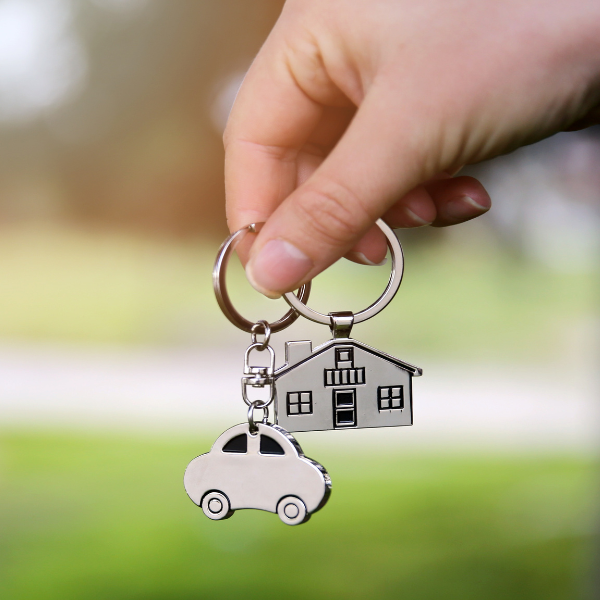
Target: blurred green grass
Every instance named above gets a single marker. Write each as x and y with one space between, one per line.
98 516
457 301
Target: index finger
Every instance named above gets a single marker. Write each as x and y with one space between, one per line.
269 123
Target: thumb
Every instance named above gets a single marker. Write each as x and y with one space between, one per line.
378 160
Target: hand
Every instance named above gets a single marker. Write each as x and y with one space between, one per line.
357 109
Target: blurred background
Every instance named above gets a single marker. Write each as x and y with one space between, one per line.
117 367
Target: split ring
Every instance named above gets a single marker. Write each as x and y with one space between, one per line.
377 306
266 331
251 422
220 286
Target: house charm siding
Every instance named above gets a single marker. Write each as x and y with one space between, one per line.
361 375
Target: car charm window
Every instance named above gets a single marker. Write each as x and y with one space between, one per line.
269 446
237 444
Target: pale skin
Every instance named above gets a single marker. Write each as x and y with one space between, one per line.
360 109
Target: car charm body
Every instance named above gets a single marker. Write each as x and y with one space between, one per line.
266 470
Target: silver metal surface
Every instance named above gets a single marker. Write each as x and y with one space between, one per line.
258 377
216 506
266 331
340 324
343 384
397 260
220 285
291 510
272 475
251 423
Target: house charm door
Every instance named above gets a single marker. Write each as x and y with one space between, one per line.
345 384
344 408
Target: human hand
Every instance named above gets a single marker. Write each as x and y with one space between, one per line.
357 109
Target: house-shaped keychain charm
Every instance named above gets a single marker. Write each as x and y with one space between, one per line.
342 384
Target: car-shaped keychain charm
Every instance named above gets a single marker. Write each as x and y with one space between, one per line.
266 470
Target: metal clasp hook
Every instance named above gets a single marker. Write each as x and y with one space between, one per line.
258 377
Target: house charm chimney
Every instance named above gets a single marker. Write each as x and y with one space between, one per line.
296 352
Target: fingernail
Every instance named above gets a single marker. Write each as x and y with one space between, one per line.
360 258
277 267
463 207
418 221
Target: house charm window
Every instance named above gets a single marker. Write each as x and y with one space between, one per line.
390 398
344 358
299 403
344 372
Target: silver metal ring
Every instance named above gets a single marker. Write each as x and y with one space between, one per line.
266 331
220 286
251 422
377 306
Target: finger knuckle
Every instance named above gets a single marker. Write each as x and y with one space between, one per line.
333 212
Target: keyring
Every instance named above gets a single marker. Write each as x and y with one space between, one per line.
220 286
251 422
388 294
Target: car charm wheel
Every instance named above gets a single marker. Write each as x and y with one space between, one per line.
216 506
292 511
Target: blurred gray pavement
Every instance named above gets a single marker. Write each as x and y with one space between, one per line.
511 407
